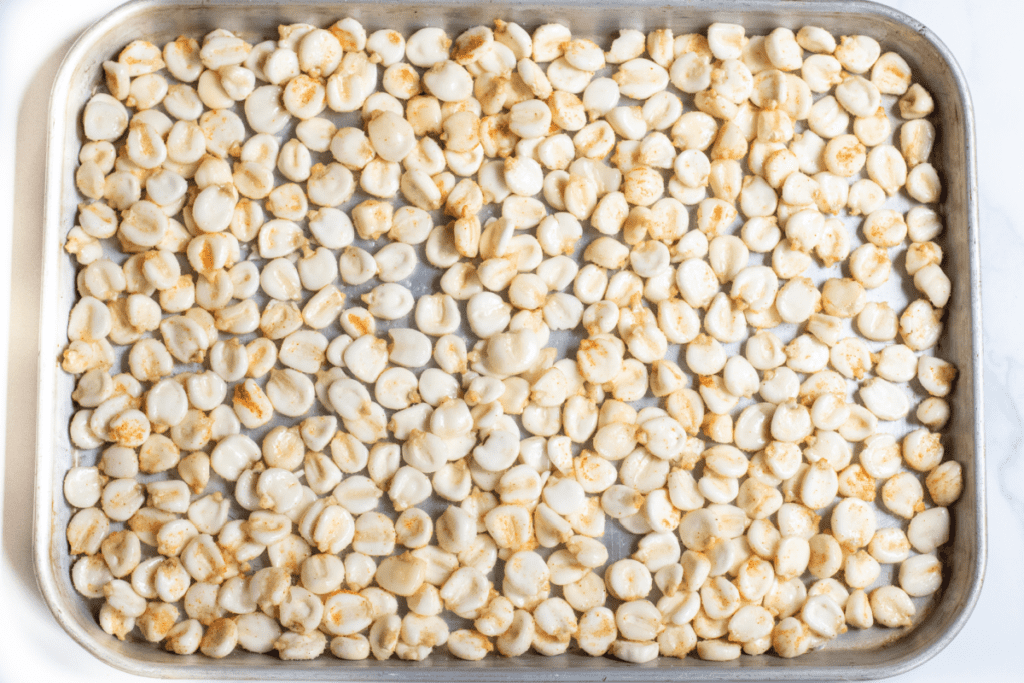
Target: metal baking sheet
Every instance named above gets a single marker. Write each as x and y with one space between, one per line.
874 653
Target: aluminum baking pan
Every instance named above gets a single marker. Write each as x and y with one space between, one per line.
874 653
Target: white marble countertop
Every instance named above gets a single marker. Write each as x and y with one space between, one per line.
982 34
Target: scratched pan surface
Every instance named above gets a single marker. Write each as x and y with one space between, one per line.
873 653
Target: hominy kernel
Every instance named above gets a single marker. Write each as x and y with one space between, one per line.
498 120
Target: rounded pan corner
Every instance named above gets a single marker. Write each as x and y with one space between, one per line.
931 37
46 583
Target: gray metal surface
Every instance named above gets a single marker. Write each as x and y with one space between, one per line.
867 654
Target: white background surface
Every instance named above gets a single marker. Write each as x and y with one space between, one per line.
984 35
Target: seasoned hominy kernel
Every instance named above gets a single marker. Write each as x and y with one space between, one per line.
500 116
